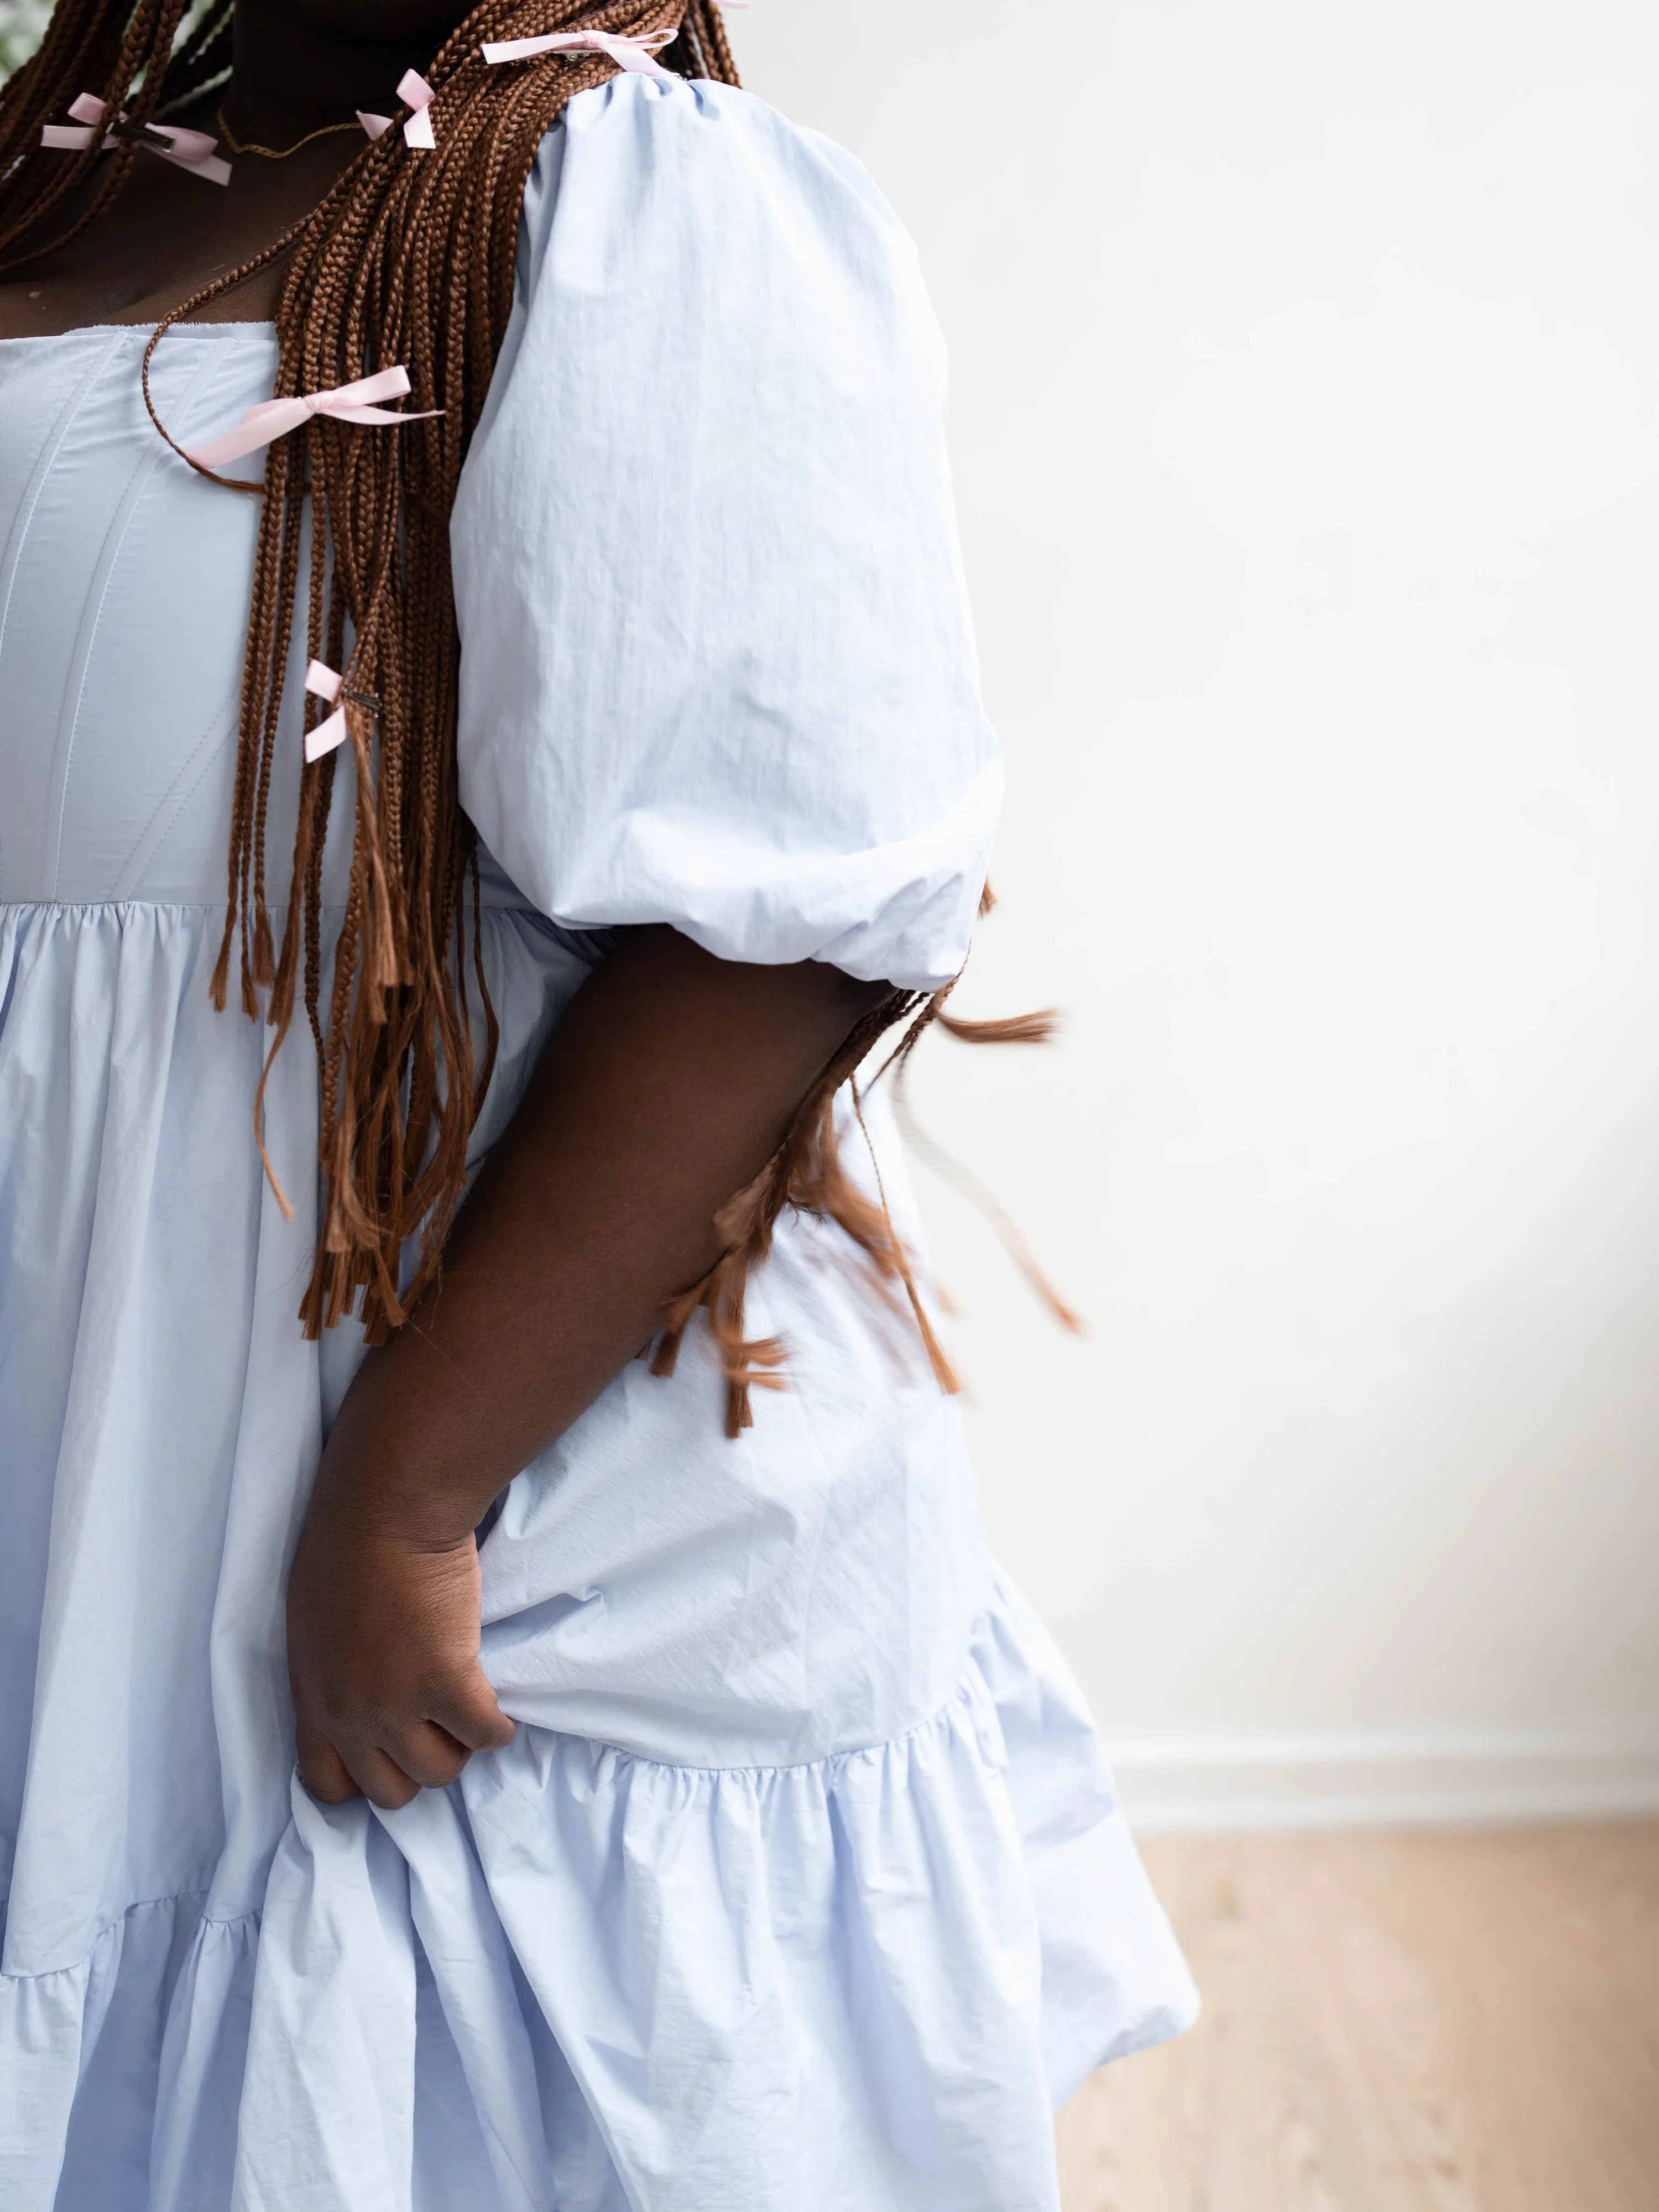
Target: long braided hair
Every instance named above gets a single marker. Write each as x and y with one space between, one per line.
409 259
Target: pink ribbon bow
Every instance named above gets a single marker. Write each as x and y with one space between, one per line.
273 418
324 683
187 149
415 92
637 54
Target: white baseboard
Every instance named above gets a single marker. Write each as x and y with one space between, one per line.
1197 1785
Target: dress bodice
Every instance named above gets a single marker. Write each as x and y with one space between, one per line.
123 604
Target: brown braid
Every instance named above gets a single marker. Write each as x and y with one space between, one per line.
409 259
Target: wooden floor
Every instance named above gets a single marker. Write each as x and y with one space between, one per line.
1446 2023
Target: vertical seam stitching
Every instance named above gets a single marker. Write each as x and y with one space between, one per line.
115 538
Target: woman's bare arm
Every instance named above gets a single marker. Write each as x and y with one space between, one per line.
665 1090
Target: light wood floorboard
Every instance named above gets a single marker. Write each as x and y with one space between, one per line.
1405 2023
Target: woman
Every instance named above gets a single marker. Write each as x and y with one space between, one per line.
686 1813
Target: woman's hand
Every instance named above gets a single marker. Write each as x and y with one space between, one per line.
667 1086
383 1659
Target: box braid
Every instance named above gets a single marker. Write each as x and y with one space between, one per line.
128 50
409 258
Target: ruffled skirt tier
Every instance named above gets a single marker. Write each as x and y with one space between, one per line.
801 1888
582 1979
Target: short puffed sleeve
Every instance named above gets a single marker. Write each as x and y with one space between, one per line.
716 663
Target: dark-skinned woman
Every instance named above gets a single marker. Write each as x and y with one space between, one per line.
503 1699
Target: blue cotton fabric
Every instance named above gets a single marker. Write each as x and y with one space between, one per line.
802 1885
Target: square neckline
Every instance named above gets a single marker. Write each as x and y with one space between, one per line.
266 329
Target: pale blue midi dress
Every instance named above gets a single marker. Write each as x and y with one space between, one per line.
802 1887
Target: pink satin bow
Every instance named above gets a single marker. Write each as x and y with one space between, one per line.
637 54
273 418
415 92
187 149
324 682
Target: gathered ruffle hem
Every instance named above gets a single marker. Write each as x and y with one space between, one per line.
578 1978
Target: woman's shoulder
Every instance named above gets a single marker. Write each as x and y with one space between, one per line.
681 238
712 168
717 668
732 136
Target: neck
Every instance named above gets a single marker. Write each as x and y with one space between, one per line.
293 72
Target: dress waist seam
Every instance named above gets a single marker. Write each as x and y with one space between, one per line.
14 906
970 1689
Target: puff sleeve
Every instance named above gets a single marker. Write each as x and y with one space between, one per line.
717 668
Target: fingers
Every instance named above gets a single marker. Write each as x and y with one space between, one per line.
420 1754
334 1777
466 1709
380 1778
321 1767
428 1754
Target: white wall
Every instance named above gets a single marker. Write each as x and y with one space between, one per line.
1304 359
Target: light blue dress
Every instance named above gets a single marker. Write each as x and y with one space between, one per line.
802 1889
